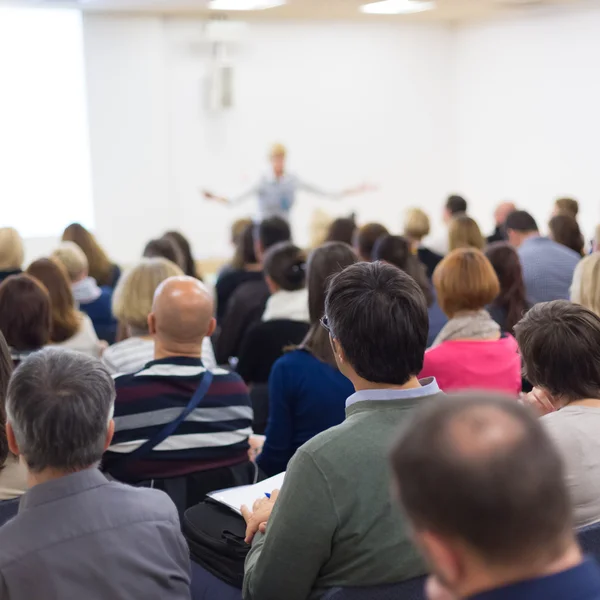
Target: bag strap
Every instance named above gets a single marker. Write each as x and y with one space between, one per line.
170 428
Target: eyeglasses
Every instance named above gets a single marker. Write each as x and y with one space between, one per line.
325 325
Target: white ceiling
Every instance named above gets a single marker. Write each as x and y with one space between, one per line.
447 10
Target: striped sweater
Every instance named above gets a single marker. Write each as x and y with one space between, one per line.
214 435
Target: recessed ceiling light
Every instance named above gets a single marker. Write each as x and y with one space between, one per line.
396 7
244 4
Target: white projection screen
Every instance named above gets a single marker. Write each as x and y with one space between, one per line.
45 177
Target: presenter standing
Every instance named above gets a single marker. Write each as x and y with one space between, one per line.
276 191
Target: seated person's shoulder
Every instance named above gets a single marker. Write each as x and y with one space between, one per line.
147 503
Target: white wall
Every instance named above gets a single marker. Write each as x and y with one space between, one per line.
528 113
352 102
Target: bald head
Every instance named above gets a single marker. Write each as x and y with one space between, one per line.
502 211
481 469
182 315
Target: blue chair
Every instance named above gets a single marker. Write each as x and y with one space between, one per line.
8 510
413 589
589 538
205 586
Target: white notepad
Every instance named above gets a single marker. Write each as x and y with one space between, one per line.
236 497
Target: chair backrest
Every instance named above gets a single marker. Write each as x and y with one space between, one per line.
412 589
259 396
8 510
589 538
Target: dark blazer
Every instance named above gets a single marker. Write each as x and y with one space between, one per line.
430 259
228 283
499 235
5 274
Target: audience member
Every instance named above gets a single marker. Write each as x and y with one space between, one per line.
70 328
342 230
13 474
482 486
99 267
307 392
25 315
12 254
132 303
471 351
565 230
365 238
185 250
585 289
502 211
463 232
91 299
247 304
285 320
396 250
566 206
210 438
333 524
455 205
510 304
164 248
560 347
77 535
416 228
547 266
244 267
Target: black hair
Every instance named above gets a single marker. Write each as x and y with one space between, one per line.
378 314
342 230
164 248
272 231
365 238
285 264
456 205
520 220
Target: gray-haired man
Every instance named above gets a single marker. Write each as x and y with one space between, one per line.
77 535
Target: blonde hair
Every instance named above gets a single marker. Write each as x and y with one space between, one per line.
73 258
585 289
278 150
416 224
133 296
465 233
12 254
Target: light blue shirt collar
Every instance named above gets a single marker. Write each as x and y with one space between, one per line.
429 387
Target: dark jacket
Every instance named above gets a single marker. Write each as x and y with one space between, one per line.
499 235
100 312
430 259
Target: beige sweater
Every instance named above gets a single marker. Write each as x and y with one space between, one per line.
13 479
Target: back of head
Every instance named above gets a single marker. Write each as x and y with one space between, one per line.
378 315
244 249
465 281
456 205
567 206
185 251
365 238
285 265
396 250
182 315
25 313
521 221
585 289
53 275
512 297
416 224
465 233
272 231
134 294
11 249
323 263
164 248
480 471
565 230
560 346
99 265
342 230
59 406
73 259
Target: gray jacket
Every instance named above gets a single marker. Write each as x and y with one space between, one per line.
82 537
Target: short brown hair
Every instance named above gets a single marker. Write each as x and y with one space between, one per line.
567 206
25 313
465 280
504 495
365 238
465 233
560 347
53 276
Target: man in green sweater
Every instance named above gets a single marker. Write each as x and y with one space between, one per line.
333 523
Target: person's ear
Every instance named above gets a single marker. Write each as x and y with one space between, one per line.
151 324
110 432
338 351
443 557
12 440
211 328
